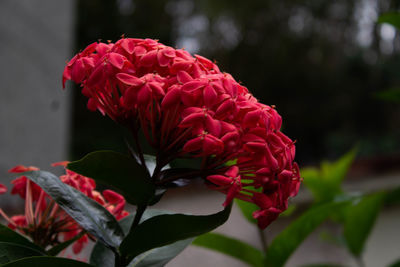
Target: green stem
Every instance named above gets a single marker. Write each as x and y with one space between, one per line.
139 213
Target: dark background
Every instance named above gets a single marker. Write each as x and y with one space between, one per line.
320 62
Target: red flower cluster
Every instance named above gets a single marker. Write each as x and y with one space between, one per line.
187 107
44 221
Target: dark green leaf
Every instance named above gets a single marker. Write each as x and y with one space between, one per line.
247 209
395 264
46 262
60 247
158 257
292 236
167 229
9 236
232 247
390 18
92 216
392 95
118 171
360 219
393 197
11 252
104 257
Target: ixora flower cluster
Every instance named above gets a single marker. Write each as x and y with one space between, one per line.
44 221
187 107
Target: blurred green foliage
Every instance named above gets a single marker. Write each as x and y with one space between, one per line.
354 212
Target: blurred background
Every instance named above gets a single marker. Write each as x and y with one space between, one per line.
324 64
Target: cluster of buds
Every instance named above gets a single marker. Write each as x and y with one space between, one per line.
186 107
44 222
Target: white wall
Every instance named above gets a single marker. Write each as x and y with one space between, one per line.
35 41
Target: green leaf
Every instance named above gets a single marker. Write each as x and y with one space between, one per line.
118 171
325 184
360 219
11 252
392 95
292 236
390 18
46 262
247 209
104 257
9 236
168 229
158 257
60 247
231 247
289 211
395 264
89 214
393 197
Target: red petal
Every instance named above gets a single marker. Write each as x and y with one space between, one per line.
129 79
210 96
128 45
139 51
113 197
163 60
78 71
168 52
92 104
172 98
225 108
116 60
193 145
66 76
90 48
232 172
103 48
183 77
3 189
144 95
157 89
193 85
232 193
212 145
192 119
263 201
22 168
251 118
180 65
96 77
271 159
60 163
213 126
149 59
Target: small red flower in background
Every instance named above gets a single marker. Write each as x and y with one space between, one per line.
3 189
187 107
44 221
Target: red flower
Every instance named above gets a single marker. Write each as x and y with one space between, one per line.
3 189
44 221
186 107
